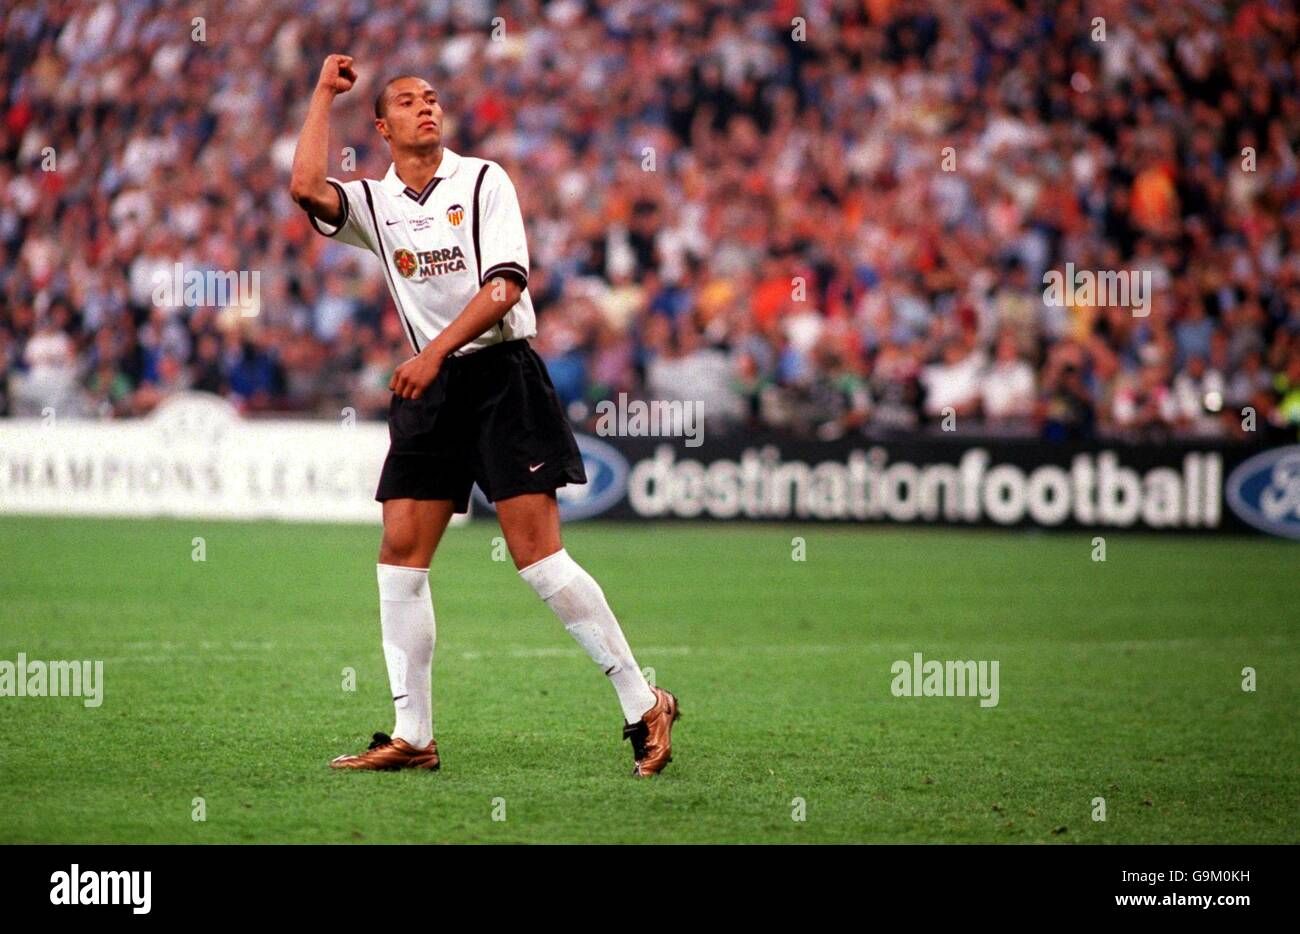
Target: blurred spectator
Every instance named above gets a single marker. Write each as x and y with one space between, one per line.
50 362
1198 397
952 384
1008 389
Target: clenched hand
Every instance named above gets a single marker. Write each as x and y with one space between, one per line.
337 75
413 377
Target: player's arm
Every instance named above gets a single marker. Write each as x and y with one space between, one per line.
488 306
308 185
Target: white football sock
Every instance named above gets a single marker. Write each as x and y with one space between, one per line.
406 618
578 601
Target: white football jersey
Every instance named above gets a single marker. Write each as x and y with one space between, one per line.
439 246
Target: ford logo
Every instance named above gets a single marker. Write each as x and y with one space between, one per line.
1265 491
606 482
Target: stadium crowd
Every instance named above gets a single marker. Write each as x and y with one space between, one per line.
824 216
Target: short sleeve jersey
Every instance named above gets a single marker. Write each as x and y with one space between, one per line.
439 246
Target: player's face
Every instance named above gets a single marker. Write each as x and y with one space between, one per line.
412 115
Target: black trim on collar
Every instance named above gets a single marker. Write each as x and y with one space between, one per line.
343 200
392 286
422 196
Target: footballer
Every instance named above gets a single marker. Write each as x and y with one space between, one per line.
474 404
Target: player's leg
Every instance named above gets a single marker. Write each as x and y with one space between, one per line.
531 525
412 530
525 452
426 478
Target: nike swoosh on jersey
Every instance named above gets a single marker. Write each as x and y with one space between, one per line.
536 468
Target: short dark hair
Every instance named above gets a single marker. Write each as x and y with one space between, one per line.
381 98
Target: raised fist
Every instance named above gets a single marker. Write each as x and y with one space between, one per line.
336 74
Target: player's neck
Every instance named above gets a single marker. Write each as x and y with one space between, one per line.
416 167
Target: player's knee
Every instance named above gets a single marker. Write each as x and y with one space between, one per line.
401 546
530 546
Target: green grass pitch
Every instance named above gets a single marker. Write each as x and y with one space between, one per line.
223 680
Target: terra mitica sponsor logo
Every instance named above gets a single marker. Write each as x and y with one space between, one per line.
1264 491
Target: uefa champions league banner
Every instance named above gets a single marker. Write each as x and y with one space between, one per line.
1020 483
195 457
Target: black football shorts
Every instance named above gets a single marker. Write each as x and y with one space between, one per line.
490 417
